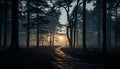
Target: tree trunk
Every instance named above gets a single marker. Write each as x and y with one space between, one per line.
50 38
14 37
68 36
71 36
28 25
104 28
5 24
84 25
99 39
116 26
109 26
75 21
69 33
1 20
0 33
53 37
37 27
77 36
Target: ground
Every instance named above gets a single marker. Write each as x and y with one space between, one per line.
54 58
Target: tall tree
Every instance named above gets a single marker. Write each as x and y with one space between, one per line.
37 25
38 8
110 5
1 22
5 23
104 27
28 24
75 20
97 13
14 37
84 25
116 23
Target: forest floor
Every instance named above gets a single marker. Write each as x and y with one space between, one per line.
26 58
55 58
111 60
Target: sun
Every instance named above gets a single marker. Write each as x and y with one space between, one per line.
61 38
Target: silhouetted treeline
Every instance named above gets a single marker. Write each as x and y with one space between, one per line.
97 27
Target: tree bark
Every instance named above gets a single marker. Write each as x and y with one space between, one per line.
116 26
14 37
28 25
69 33
84 25
109 26
5 24
1 21
104 28
37 27
99 37
75 22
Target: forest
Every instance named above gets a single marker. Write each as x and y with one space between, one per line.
60 34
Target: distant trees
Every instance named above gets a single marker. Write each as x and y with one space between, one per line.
40 18
39 13
106 10
5 17
97 18
117 4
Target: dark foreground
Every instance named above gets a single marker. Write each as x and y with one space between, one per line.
33 58
54 58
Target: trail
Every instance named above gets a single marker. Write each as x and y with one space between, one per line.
64 61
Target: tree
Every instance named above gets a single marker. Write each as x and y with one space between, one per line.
28 24
116 23
1 21
71 19
5 23
37 25
74 20
97 15
14 37
109 20
84 25
38 9
104 27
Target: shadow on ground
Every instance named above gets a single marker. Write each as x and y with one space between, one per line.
32 58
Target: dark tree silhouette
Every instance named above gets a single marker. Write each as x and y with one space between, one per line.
110 4
5 24
75 12
116 23
84 25
1 32
37 25
14 37
104 28
1 20
97 12
69 29
71 19
28 24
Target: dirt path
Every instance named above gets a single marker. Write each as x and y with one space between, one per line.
64 61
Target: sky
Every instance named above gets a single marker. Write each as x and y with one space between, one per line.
63 17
